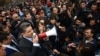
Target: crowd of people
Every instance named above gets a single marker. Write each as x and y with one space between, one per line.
77 24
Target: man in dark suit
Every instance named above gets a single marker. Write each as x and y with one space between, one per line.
5 28
29 42
5 40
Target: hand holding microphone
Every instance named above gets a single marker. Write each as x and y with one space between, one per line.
35 38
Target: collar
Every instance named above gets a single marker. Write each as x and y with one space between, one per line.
9 46
30 39
87 41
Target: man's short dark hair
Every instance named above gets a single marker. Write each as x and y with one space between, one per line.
89 28
88 50
3 36
3 26
82 2
23 26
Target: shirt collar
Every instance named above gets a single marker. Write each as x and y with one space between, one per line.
28 38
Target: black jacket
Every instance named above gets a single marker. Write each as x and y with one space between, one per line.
28 49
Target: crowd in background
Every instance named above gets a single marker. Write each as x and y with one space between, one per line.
77 24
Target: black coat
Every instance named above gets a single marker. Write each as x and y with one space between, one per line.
28 49
9 51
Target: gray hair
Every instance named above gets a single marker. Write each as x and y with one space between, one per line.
23 26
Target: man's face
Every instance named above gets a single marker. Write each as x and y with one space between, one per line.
64 7
53 21
6 29
55 10
78 22
94 7
15 16
28 32
28 16
87 33
92 22
3 13
83 5
9 39
34 10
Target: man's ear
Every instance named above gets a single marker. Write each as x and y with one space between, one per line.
21 34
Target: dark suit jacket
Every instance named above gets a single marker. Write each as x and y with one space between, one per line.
9 51
28 49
